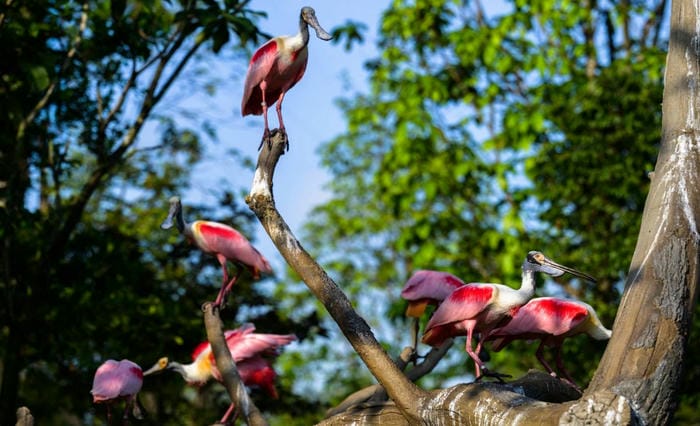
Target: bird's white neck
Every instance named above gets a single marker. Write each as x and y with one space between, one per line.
527 286
193 373
303 31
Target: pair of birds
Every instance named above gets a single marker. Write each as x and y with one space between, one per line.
500 313
117 380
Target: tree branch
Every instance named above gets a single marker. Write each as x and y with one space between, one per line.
404 392
227 368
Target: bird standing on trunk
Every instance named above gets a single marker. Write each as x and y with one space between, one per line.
551 320
480 307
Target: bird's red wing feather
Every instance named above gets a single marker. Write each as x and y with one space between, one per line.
260 65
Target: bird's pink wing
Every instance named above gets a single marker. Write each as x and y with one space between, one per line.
131 377
260 65
465 303
426 284
544 316
104 385
259 344
220 238
116 378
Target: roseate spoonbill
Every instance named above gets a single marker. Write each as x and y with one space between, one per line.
550 320
426 287
221 241
247 350
115 380
276 67
481 307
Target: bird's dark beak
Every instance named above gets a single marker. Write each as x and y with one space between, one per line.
310 18
170 220
545 261
159 366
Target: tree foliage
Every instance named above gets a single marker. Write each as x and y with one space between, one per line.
487 133
88 159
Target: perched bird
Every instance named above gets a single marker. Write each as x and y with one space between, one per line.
550 320
276 67
425 288
222 241
248 350
116 380
480 307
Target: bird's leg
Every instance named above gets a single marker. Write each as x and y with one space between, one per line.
477 362
560 365
266 132
540 357
224 420
279 117
224 283
485 372
225 289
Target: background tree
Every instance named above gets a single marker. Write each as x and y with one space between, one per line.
88 159
488 133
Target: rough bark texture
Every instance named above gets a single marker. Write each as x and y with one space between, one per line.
644 357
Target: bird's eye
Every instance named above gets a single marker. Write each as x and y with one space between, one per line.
539 257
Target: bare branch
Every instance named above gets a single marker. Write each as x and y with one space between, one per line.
405 393
227 368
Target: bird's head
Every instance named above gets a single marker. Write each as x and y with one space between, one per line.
173 214
538 262
308 15
158 367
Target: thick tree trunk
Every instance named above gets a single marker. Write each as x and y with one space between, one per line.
644 358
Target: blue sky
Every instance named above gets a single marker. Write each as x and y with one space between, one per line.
309 110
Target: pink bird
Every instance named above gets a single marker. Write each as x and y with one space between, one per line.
222 241
425 288
480 307
115 380
276 67
551 320
248 350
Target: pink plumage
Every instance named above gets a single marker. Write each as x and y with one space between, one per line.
276 67
116 379
550 320
221 241
482 307
248 350
428 287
